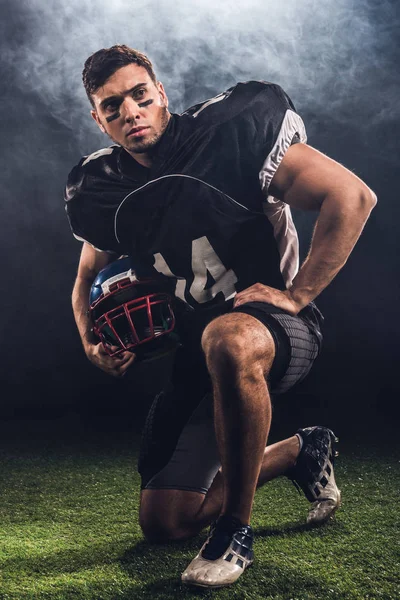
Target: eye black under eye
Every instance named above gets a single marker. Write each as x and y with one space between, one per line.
112 106
145 103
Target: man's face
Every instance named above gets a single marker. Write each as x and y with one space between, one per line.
132 110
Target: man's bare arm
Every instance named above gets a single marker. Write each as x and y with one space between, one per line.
309 180
90 263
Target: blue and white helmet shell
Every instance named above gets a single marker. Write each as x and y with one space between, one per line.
129 314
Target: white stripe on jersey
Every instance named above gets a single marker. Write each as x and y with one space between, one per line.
169 177
285 234
98 153
209 102
292 124
279 213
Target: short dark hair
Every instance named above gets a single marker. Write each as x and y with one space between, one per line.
103 63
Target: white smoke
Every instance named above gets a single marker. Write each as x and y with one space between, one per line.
330 56
335 58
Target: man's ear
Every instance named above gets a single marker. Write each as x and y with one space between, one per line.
162 93
95 116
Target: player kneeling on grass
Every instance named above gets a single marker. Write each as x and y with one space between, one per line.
198 203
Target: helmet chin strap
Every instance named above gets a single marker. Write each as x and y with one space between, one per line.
105 286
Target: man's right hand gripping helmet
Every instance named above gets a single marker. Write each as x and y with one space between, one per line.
131 314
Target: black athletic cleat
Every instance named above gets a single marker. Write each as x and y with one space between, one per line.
313 473
223 557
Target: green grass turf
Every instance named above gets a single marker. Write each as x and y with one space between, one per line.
69 527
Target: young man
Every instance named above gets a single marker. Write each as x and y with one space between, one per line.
204 199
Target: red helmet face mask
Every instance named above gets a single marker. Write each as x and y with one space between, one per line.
129 314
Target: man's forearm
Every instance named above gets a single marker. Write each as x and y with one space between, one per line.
80 307
338 228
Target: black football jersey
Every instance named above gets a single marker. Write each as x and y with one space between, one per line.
202 214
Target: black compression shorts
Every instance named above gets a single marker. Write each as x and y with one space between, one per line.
178 448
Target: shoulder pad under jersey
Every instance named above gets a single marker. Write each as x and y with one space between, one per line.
260 97
100 165
93 192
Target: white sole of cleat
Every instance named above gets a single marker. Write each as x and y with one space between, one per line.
211 586
217 573
323 511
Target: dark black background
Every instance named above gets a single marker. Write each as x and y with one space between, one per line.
339 64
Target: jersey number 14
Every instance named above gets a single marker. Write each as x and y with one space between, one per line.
205 261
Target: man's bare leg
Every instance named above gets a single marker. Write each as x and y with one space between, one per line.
277 459
177 514
239 352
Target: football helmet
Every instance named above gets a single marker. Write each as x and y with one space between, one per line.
131 314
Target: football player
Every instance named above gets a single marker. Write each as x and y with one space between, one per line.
202 200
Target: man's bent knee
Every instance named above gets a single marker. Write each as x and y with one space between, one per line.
169 515
157 532
237 341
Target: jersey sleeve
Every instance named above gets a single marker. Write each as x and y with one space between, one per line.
257 122
91 195
279 126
